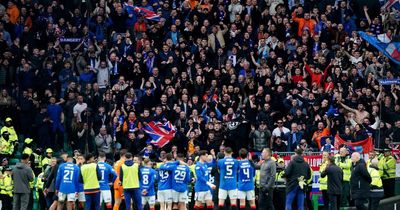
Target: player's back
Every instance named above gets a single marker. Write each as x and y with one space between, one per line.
181 178
147 181
228 168
67 179
107 175
165 176
246 175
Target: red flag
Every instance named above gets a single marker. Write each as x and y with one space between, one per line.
364 146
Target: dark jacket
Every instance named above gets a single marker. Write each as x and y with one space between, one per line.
335 179
360 180
289 138
22 175
297 167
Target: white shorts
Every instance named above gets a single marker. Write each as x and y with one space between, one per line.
223 194
105 195
164 196
81 197
68 197
179 197
203 196
151 200
250 195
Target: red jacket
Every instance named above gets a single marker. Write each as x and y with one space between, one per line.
316 78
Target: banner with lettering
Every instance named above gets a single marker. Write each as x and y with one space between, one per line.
313 160
364 146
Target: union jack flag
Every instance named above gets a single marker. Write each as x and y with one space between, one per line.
148 14
395 4
160 133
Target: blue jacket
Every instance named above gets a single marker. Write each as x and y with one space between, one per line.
291 146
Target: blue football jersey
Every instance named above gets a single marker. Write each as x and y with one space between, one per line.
148 177
228 168
108 175
210 166
246 175
181 178
164 175
202 177
67 180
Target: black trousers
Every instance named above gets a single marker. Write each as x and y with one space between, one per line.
389 187
325 197
373 203
6 202
279 197
360 203
334 201
265 200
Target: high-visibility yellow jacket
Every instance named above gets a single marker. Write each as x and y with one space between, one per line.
6 185
11 130
39 182
279 180
376 178
345 164
323 182
389 167
6 146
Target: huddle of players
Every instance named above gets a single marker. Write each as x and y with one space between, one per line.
173 178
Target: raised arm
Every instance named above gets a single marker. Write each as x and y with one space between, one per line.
347 107
367 15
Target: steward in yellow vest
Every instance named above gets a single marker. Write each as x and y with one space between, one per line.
47 159
39 188
6 146
11 130
388 164
323 182
376 192
36 160
90 176
279 192
344 162
129 176
6 189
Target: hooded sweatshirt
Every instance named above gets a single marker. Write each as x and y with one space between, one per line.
296 168
22 175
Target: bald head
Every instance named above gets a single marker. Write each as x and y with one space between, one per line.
355 157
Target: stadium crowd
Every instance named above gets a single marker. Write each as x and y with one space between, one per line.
238 81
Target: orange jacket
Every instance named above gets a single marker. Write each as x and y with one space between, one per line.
117 169
13 12
319 134
303 24
131 122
